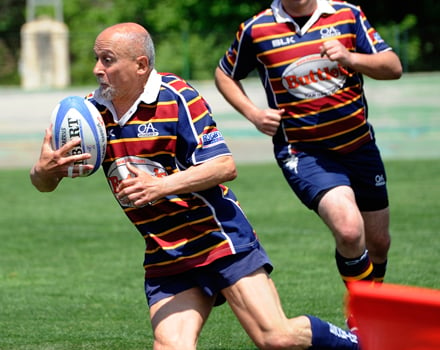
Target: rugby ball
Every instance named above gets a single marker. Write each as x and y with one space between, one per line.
76 117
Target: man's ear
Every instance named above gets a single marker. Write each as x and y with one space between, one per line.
143 64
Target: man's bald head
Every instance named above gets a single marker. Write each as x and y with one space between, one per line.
133 38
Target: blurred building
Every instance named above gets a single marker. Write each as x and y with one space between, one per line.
44 46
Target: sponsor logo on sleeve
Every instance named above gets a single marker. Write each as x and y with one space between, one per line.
212 139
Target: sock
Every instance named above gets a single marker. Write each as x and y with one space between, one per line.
379 271
326 336
356 269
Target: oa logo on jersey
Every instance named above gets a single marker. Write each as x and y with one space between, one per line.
147 130
329 32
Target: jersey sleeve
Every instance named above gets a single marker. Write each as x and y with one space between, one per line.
240 59
368 40
198 138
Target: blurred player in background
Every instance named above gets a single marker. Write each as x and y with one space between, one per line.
311 55
165 163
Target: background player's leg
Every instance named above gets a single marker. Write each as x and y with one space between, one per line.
340 213
378 240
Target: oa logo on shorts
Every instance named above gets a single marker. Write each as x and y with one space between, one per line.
380 180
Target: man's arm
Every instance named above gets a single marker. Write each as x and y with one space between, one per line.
382 66
144 188
266 120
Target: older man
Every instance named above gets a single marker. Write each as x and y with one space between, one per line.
165 163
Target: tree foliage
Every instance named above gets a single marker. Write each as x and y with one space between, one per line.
192 35
11 18
415 28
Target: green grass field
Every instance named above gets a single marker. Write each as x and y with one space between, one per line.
71 272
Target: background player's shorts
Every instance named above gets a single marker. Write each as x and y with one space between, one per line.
212 278
311 174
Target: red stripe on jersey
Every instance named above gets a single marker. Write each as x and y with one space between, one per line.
327 130
305 108
149 147
179 265
180 235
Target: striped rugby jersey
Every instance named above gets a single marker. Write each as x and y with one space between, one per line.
324 102
169 129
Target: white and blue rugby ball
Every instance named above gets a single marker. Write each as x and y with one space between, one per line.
76 117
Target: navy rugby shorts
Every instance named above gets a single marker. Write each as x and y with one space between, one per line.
310 174
212 278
